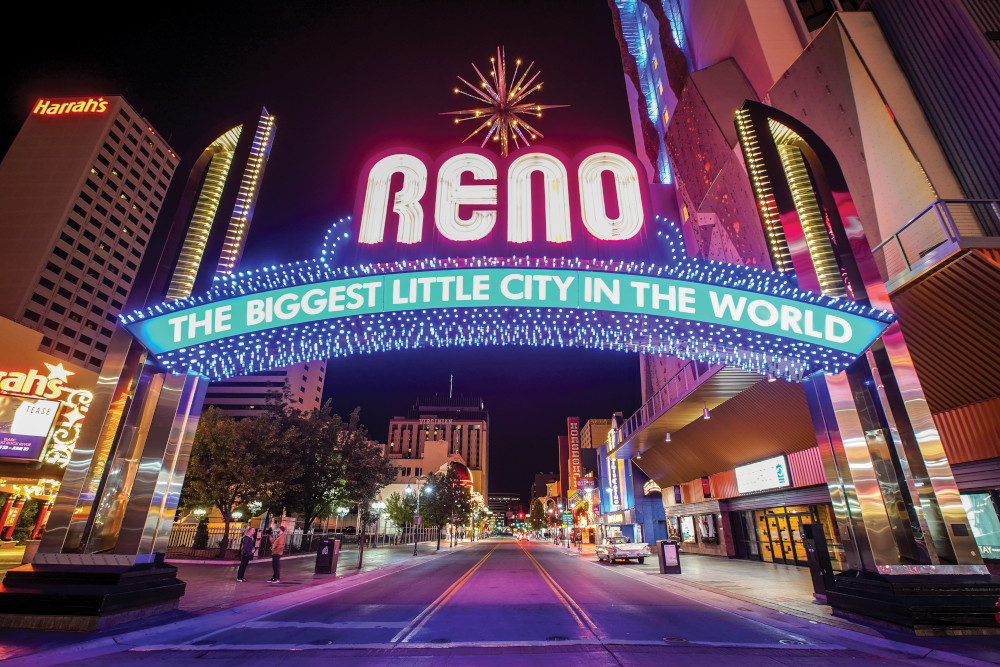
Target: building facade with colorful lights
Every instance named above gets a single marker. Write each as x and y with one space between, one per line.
853 151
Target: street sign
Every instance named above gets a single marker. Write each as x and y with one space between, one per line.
417 520
567 518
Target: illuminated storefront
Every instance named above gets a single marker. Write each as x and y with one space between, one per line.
43 405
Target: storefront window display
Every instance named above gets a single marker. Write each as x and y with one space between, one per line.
706 529
687 529
774 535
673 528
983 520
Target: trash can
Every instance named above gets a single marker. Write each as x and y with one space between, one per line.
818 556
327 551
669 555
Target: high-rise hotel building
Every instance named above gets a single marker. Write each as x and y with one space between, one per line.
215 212
463 422
80 190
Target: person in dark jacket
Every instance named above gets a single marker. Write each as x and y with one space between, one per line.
247 548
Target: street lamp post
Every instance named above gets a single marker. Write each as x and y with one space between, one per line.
425 489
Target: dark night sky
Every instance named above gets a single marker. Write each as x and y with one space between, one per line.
345 80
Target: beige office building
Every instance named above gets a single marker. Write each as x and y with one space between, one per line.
80 190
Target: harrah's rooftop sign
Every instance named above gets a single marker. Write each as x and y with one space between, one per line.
473 202
63 107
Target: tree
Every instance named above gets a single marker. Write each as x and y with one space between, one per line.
366 470
449 497
401 508
536 520
231 463
314 479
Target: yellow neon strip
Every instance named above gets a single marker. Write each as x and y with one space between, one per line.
762 192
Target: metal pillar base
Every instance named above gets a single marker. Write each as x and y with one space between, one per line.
86 595
926 604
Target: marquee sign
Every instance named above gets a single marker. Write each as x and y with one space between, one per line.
412 208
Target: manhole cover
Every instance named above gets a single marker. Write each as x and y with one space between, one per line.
674 639
790 641
439 640
556 638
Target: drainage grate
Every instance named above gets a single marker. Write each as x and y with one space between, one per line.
439 640
674 639
790 641
557 638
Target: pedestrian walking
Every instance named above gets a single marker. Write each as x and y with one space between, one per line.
247 548
277 549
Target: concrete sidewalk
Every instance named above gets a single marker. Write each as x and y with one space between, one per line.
213 588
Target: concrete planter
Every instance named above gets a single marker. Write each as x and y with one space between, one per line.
30 549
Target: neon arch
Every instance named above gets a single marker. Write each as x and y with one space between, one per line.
277 316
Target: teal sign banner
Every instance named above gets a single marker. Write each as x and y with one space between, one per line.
793 320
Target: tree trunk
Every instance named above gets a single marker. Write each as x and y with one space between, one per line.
224 544
439 538
361 542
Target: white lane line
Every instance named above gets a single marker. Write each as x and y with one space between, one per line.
337 625
480 644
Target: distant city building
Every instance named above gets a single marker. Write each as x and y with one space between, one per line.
462 422
594 433
80 190
248 395
506 507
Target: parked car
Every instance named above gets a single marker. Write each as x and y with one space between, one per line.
350 530
621 548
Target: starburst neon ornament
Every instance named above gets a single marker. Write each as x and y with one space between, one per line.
505 106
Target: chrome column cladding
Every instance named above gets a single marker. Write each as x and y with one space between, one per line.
70 514
123 482
894 496
170 417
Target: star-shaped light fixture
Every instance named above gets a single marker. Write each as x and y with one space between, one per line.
57 372
504 105
72 417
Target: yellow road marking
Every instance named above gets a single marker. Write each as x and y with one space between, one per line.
574 609
423 617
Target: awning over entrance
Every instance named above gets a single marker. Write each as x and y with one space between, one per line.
750 419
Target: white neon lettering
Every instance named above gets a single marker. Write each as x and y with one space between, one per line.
318 307
222 316
283 313
505 289
832 324
452 194
194 324
753 312
790 316
177 323
255 312
720 306
593 207
555 192
406 203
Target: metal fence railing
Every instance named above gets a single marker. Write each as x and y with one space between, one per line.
185 540
945 222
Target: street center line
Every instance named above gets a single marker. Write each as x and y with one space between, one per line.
574 609
423 617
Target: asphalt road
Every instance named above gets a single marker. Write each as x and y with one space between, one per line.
500 602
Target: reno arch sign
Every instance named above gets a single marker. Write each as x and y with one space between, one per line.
533 250
406 198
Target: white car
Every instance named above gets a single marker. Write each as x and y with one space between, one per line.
620 548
